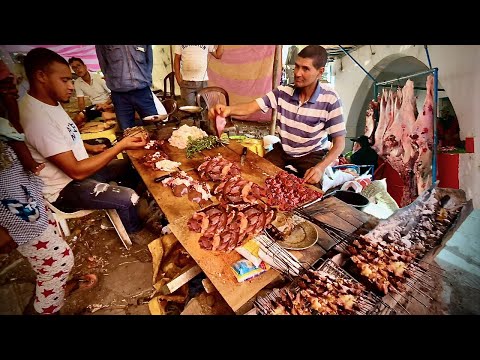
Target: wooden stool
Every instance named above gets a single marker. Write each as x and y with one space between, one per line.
61 218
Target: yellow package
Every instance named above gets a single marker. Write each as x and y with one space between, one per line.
249 251
244 269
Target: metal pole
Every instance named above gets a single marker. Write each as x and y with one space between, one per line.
435 140
356 62
406 77
428 56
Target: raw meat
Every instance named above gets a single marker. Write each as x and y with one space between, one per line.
422 140
220 123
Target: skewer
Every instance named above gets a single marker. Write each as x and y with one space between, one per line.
398 302
418 290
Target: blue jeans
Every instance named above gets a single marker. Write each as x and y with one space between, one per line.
96 193
281 159
126 103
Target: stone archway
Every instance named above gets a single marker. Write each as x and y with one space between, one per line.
390 67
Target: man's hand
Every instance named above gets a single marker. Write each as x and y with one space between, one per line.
314 174
95 149
132 143
219 109
80 119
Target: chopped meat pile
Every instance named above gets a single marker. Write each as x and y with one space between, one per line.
150 160
238 191
223 228
182 184
287 191
217 169
155 145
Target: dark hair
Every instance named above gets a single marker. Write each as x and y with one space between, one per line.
40 59
315 52
73 58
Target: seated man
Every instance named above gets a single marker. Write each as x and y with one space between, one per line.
93 86
72 180
307 114
363 153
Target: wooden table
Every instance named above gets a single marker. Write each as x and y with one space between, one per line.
178 210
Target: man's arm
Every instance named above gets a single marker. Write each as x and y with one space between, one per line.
149 55
79 170
81 102
315 174
101 59
239 109
218 52
176 68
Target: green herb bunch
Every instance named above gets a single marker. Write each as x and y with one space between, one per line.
207 142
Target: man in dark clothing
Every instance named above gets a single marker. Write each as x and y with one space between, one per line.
365 155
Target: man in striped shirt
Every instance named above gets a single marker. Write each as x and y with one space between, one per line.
306 114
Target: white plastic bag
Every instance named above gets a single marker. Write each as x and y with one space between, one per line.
332 179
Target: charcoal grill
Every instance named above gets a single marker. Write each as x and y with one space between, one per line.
369 303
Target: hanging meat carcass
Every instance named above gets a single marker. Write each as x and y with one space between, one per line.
392 140
396 141
422 140
369 124
382 124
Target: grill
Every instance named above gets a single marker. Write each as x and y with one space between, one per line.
367 302
283 261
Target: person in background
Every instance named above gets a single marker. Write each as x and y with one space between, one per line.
363 154
93 86
72 180
306 114
128 74
190 66
448 129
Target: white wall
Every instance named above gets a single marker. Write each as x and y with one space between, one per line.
458 73
162 66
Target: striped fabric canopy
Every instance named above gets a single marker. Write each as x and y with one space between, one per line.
245 71
85 52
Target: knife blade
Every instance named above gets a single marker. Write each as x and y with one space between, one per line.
160 178
244 155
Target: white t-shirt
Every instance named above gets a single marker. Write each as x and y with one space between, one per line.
50 131
194 61
97 90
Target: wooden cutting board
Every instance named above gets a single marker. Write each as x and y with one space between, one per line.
217 265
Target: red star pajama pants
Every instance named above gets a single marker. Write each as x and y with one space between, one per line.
52 259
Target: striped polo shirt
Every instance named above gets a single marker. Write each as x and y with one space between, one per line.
304 128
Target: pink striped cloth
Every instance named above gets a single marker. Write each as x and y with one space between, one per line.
85 52
246 72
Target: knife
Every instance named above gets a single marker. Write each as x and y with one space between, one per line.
244 155
160 178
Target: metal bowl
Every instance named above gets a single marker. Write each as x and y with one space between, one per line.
352 198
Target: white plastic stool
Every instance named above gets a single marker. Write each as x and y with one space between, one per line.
61 218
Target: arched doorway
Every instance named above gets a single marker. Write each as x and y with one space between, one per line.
392 67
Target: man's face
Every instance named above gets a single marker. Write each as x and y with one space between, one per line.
79 68
305 73
58 81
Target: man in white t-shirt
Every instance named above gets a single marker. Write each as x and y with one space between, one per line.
94 86
192 74
72 180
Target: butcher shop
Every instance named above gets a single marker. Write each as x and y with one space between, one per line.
239 180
